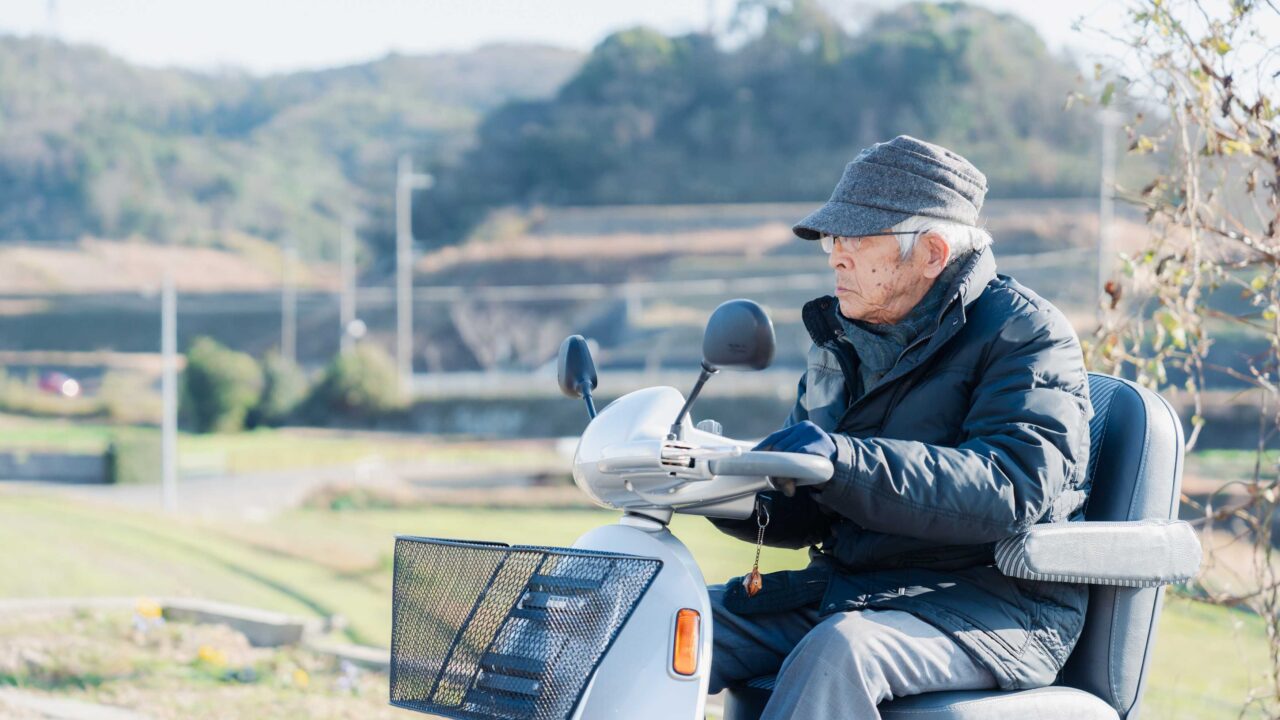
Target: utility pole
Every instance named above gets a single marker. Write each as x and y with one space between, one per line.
1110 121
169 392
406 182
289 303
347 298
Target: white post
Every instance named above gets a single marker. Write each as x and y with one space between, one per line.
347 298
169 392
1110 120
633 303
289 304
406 182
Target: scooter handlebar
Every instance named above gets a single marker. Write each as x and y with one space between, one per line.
805 469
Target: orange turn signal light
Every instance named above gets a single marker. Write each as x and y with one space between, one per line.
685 658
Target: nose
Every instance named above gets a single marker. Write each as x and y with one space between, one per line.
838 259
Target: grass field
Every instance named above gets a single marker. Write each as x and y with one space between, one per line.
325 562
266 449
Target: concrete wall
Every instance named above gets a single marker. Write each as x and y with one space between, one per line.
53 467
742 417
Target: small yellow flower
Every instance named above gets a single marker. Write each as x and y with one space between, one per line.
301 678
148 609
211 656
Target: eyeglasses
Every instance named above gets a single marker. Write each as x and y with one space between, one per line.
854 242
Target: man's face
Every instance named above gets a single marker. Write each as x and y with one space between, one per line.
874 284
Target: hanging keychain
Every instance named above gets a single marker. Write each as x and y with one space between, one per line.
753 582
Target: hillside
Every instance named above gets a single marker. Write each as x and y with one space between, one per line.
656 119
92 145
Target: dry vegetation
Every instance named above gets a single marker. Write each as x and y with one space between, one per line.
170 670
106 266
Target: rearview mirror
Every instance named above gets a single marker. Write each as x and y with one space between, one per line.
739 336
575 370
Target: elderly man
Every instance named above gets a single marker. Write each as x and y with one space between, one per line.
954 405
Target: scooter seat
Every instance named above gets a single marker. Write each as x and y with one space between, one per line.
1049 703
1135 467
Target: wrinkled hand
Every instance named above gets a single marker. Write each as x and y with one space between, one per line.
803 437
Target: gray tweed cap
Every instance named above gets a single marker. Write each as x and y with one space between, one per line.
891 181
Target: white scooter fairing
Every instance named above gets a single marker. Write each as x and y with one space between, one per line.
625 460
487 630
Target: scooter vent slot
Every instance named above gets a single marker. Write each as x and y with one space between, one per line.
514 633
513 665
534 614
485 705
508 684
547 601
564 585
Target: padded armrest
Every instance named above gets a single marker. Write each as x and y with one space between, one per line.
1143 553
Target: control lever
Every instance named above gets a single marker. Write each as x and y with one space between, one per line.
710 426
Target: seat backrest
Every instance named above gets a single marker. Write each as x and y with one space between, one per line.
1135 468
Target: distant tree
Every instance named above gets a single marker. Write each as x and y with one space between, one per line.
657 119
219 387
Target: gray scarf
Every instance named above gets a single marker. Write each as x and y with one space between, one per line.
879 346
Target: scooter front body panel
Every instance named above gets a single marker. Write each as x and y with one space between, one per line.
635 680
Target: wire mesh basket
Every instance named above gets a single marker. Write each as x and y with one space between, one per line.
485 630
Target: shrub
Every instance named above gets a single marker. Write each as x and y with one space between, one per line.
130 398
284 388
133 457
357 384
219 387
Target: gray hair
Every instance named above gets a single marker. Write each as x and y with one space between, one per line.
962 239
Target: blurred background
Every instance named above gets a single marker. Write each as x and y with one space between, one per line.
279 281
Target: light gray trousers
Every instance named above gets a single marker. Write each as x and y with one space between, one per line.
839 667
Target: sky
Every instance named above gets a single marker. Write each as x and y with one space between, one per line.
270 36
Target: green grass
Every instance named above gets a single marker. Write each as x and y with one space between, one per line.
23 433
1206 661
265 449
315 561
1232 464
69 550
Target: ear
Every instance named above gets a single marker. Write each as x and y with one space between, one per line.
936 254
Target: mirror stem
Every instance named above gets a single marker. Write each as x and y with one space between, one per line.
707 372
591 405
